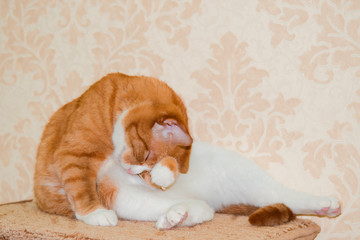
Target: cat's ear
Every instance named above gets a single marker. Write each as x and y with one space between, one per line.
171 132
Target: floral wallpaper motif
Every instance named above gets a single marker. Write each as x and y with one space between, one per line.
335 43
277 81
232 110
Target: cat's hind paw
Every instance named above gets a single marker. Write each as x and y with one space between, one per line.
330 207
175 216
99 217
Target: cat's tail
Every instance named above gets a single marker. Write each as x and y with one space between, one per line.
270 215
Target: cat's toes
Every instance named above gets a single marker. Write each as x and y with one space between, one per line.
175 216
330 207
100 217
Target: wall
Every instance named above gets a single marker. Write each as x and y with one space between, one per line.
278 81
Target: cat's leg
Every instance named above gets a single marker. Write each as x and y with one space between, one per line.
306 204
255 187
300 203
50 197
104 217
78 178
186 213
277 204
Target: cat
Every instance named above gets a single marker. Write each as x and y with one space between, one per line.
78 138
123 149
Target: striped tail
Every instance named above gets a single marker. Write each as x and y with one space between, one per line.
270 215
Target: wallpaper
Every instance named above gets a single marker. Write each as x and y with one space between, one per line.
275 80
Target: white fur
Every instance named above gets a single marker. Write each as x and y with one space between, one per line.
162 175
216 178
101 217
135 169
61 191
52 186
118 136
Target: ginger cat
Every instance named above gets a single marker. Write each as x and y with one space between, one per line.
78 138
122 149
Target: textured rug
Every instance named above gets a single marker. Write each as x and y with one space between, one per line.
23 220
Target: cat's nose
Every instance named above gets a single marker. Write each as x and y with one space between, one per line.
129 171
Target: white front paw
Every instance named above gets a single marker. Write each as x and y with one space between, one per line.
186 214
100 217
175 216
162 176
198 213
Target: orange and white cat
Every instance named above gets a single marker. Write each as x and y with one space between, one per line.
78 138
123 149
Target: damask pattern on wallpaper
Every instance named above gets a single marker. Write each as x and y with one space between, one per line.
278 81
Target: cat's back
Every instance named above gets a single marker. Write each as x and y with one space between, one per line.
54 130
136 89
100 105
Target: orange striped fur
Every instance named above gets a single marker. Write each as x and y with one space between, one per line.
270 215
77 140
107 192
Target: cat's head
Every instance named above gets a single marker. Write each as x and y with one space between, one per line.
154 132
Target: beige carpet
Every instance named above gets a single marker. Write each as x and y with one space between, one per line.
24 221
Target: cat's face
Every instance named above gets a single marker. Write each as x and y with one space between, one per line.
153 133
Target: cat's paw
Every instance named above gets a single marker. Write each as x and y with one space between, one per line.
99 217
199 212
328 206
162 176
175 216
186 214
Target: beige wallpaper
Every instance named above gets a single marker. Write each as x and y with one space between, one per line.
278 81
